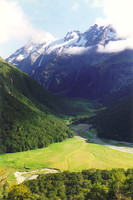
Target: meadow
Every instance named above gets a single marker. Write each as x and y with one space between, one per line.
72 154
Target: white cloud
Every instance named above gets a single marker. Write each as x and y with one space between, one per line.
76 50
119 13
14 24
76 6
39 36
102 21
116 46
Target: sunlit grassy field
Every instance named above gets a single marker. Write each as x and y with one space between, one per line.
72 154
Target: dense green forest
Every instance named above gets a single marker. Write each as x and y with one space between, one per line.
115 119
93 184
27 113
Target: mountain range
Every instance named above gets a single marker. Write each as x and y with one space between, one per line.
75 66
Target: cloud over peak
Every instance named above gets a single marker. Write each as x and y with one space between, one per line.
119 14
15 24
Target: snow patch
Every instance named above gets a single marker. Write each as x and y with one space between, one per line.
62 44
30 48
82 42
41 60
20 57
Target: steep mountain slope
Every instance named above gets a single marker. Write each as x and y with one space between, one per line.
26 119
73 66
115 121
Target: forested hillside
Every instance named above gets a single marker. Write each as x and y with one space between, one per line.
115 122
26 119
115 119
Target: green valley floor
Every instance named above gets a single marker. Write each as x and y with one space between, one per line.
72 154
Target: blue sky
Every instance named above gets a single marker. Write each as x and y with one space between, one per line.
54 16
22 19
60 16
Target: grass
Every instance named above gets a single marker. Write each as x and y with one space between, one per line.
72 154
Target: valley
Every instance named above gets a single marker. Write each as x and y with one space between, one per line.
74 154
66 109
57 134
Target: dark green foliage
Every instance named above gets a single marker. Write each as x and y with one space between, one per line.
116 121
116 184
26 115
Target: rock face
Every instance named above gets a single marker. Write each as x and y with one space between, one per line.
74 67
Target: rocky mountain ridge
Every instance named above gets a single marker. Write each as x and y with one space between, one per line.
74 67
93 36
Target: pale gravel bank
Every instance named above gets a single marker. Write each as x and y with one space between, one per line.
23 176
125 146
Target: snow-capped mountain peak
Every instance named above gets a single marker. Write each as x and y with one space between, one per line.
73 42
99 35
31 49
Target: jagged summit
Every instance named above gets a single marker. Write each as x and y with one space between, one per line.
99 35
74 66
71 35
30 53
